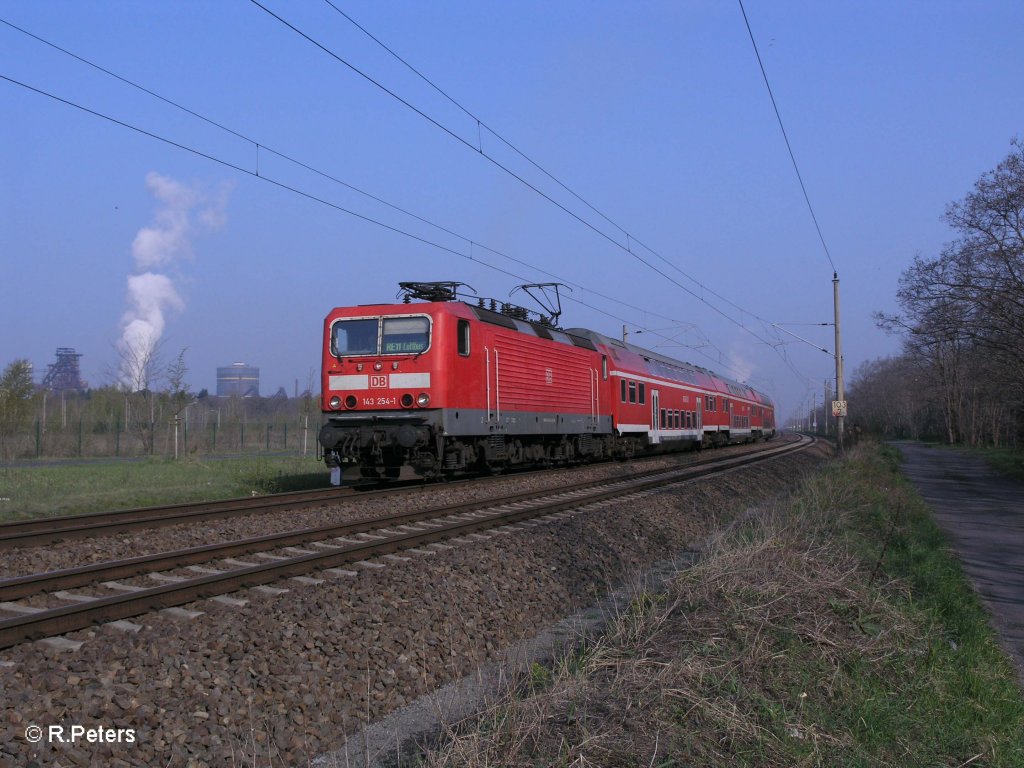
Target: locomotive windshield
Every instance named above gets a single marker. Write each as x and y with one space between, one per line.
354 337
380 336
405 334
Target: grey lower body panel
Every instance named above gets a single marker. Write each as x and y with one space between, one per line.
465 423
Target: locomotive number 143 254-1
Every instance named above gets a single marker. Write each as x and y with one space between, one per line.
378 401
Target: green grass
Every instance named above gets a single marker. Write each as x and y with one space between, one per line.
103 485
1005 460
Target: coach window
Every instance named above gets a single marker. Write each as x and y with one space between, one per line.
463 340
641 393
663 418
604 367
689 419
632 391
622 389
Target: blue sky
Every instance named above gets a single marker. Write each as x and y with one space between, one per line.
654 113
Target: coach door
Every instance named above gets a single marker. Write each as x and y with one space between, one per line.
655 424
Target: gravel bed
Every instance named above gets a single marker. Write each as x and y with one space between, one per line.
78 552
279 680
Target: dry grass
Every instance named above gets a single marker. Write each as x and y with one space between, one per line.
780 647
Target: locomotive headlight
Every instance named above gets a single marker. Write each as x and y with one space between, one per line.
422 399
335 402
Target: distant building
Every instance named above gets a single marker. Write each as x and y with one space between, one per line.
239 380
64 375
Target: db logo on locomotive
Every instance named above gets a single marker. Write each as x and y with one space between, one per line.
379 382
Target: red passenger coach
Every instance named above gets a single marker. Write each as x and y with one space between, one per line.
442 386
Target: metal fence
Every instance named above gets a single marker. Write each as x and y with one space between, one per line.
171 438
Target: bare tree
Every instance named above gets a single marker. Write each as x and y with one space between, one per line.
963 311
141 368
178 393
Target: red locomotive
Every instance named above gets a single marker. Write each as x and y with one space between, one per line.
444 386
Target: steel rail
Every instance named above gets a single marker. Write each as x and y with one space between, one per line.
56 621
19 533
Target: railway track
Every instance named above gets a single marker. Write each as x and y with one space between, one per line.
48 530
20 533
42 531
335 546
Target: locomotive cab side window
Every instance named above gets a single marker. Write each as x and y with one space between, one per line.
640 394
463 337
632 391
622 389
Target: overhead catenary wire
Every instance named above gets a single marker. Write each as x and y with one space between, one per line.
260 146
720 361
431 120
785 136
316 198
480 123
698 296
630 237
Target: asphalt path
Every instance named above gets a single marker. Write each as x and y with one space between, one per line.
982 513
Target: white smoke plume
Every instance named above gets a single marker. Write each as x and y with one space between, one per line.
187 211
742 368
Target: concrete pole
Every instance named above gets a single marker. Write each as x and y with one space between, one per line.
840 392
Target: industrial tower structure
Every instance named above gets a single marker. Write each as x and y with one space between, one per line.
64 375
